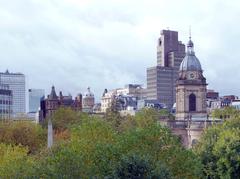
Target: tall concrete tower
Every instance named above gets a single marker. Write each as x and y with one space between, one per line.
161 78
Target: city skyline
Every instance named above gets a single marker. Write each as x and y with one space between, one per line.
73 44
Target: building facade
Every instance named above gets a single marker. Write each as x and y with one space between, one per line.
211 94
130 92
88 101
213 100
16 83
191 88
107 99
161 78
34 98
191 102
236 104
135 90
146 103
49 105
6 101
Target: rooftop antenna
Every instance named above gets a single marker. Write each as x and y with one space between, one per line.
190 34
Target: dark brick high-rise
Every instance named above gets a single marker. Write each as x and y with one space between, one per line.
161 79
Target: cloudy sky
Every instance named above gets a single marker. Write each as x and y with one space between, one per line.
74 44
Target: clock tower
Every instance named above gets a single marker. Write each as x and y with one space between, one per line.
191 88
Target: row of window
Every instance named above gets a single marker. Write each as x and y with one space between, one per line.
7 102
5 111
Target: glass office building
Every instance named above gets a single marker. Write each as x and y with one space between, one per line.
35 96
5 102
16 83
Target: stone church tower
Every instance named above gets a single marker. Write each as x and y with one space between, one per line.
191 88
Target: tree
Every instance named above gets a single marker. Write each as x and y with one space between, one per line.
219 150
227 151
27 134
80 157
161 145
136 167
146 117
226 113
112 115
132 167
204 150
127 123
97 150
65 117
14 162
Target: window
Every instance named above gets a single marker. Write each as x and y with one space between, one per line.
192 102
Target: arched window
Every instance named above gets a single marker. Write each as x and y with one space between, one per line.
192 102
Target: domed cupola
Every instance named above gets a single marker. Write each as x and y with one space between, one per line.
190 61
190 68
88 94
191 88
88 101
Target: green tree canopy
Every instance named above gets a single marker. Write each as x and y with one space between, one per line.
97 150
65 117
219 150
225 113
14 162
23 133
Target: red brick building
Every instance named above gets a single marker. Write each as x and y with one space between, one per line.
53 102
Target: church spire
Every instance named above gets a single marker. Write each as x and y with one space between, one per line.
53 94
190 45
190 35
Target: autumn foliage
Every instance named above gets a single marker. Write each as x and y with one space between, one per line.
112 146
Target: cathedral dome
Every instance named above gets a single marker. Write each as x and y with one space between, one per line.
190 61
88 94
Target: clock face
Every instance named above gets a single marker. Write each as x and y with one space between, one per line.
192 76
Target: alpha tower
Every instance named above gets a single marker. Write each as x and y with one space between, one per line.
161 78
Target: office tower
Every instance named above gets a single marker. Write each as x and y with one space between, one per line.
35 96
161 79
5 102
16 83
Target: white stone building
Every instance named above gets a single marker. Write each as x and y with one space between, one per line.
130 90
88 101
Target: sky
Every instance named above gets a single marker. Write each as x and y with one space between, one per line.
73 44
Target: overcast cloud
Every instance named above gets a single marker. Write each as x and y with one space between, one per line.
74 44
